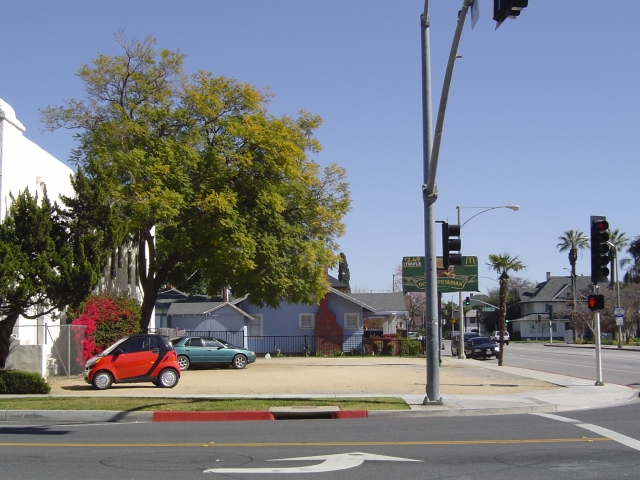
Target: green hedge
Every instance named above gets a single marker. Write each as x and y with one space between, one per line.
22 383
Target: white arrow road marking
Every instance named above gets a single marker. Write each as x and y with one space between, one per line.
341 461
605 432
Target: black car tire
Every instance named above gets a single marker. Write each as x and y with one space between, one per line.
184 362
168 378
102 380
239 362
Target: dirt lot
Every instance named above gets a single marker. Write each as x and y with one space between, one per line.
317 375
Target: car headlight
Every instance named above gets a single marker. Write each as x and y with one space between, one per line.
91 362
476 350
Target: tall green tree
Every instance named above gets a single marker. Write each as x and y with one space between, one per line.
44 264
503 264
202 178
620 241
632 275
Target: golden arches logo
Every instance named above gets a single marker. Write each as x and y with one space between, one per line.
470 261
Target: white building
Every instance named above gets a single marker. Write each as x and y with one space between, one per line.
24 165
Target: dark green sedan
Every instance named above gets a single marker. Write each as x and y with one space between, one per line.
210 351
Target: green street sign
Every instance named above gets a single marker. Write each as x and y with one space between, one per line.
457 278
488 309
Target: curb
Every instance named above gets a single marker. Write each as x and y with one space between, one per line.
103 416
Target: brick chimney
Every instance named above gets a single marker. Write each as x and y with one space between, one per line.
328 332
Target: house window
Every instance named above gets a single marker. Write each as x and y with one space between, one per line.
532 327
351 321
255 326
307 321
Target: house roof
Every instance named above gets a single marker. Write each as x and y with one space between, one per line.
201 308
555 289
382 303
168 296
335 283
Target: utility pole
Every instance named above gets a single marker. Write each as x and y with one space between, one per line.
431 150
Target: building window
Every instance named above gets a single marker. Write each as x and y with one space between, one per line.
255 326
307 321
351 321
533 327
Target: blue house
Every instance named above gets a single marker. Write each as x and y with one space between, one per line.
337 323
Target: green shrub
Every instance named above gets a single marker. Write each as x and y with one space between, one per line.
22 383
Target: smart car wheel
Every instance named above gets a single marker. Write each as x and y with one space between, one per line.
183 361
102 380
239 361
168 378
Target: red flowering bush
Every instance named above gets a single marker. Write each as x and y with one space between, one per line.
107 318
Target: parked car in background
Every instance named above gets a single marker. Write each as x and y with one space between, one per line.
456 337
135 358
495 336
481 347
210 351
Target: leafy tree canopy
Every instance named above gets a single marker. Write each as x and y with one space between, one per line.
45 264
203 178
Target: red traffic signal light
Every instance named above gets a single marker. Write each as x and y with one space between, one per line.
595 302
600 257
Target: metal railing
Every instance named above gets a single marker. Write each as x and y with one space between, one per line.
305 345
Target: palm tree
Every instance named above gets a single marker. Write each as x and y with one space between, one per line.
503 264
633 272
572 240
619 241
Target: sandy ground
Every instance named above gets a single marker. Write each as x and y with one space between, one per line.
317 375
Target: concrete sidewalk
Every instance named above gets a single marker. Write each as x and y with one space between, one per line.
468 387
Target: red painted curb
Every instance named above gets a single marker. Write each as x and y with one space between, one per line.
210 416
351 414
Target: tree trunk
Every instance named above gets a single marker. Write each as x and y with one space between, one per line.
504 278
6 327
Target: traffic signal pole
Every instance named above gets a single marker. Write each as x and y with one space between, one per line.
431 150
596 321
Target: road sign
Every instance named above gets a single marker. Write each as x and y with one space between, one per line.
488 309
618 314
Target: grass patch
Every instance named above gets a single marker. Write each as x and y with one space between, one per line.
196 404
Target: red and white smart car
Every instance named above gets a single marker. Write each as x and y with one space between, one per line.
135 358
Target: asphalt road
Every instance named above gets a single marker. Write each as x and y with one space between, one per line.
576 445
620 367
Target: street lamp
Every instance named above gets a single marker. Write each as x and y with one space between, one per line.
515 208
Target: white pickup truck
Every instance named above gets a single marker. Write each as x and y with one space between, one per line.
495 336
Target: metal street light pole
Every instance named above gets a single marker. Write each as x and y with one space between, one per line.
462 326
430 153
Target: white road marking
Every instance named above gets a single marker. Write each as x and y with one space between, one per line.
605 432
331 463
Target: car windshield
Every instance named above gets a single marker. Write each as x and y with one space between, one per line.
111 349
480 340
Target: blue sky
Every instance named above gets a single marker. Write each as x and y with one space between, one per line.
543 112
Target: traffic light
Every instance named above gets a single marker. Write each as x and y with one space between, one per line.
595 302
503 9
451 244
467 301
600 257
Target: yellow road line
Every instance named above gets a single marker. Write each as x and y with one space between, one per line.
307 444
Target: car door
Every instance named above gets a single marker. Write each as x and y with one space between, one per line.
217 352
194 348
135 358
